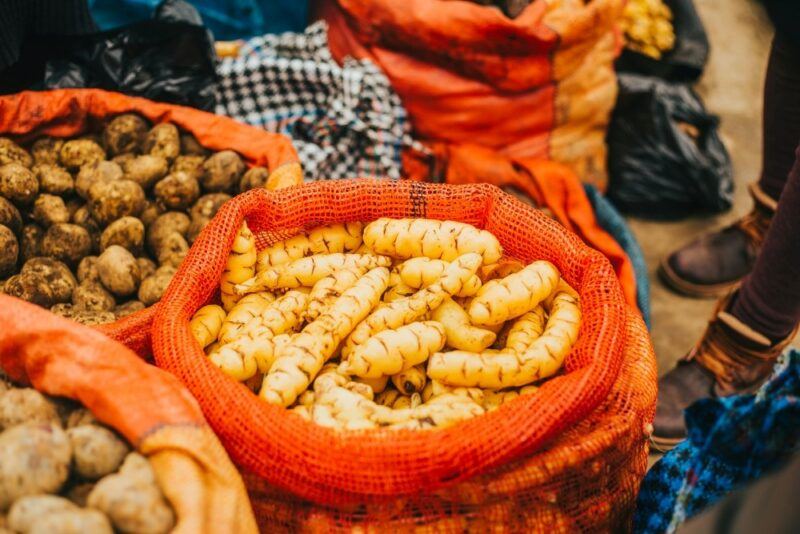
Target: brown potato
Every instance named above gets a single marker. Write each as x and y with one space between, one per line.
146 170
49 210
254 178
190 145
92 296
222 171
9 251
108 201
10 216
203 210
127 232
191 164
101 171
30 287
18 184
26 510
87 269
172 249
122 159
96 451
119 272
81 416
73 204
76 153
163 140
46 150
150 212
66 242
177 191
79 521
132 498
130 307
147 267
63 309
153 287
165 224
55 274
11 152
125 133
79 493
26 405
93 317
30 242
53 179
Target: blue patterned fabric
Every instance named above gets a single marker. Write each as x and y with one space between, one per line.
612 222
732 440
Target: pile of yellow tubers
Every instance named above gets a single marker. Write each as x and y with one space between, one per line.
399 323
647 25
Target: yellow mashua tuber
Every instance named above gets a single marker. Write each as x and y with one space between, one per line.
327 239
411 380
241 266
422 272
460 333
247 308
300 361
506 298
206 324
445 240
328 289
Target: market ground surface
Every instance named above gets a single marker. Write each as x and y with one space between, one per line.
732 87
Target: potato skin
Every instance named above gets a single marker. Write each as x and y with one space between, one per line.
30 287
146 170
190 164
130 307
76 153
191 146
96 451
49 210
222 171
87 270
46 150
92 296
152 210
127 232
26 405
53 179
147 267
101 171
152 288
93 317
165 224
177 191
163 140
34 459
55 274
254 178
118 271
172 250
66 242
203 211
11 152
80 521
26 510
108 201
18 184
9 251
125 133
10 216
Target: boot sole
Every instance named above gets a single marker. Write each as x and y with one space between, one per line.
664 445
679 285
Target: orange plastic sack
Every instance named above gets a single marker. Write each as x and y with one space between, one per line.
70 112
538 86
151 409
549 184
575 450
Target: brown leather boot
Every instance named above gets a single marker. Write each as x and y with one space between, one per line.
730 358
715 263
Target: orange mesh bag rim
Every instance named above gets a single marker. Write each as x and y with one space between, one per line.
68 112
325 466
589 475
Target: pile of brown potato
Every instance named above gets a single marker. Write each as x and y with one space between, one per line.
93 228
61 471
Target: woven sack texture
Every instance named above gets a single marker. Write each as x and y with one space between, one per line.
569 456
70 112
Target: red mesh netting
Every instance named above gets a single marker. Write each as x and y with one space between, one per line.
569 456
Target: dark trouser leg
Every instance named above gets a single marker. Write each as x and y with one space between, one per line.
781 122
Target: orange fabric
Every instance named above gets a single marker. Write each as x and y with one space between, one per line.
548 183
69 112
538 86
371 476
148 406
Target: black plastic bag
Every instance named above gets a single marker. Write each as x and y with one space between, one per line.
169 59
665 157
686 61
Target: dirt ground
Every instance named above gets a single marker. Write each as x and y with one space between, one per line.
732 86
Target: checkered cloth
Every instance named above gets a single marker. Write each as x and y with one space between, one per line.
345 121
732 440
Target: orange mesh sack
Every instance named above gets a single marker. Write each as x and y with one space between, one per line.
541 85
147 406
71 112
569 456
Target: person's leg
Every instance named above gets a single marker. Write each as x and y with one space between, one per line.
717 262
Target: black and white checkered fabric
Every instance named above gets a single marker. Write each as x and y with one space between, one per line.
345 121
